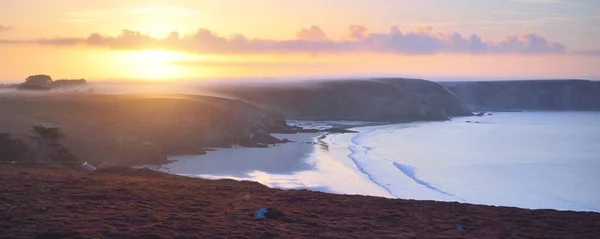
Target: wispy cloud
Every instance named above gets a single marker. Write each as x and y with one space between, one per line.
4 28
253 64
588 52
87 16
421 41
536 1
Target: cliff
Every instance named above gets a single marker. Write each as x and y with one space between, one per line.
394 100
528 94
138 129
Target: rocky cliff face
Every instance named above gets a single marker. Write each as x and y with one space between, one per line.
529 95
365 100
138 129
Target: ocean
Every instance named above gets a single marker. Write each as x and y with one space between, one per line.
537 160
521 159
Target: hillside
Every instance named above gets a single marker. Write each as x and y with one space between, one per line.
120 203
394 100
528 94
137 129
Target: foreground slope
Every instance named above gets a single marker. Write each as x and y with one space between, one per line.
122 203
384 99
136 129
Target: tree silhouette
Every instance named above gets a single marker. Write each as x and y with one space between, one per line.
37 82
41 80
48 140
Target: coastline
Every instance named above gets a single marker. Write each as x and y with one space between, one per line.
275 166
304 163
357 164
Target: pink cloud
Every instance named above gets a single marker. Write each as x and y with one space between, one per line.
314 33
313 40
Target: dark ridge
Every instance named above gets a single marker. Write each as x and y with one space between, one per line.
388 100
577 95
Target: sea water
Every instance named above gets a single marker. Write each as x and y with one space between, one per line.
537 160
522 159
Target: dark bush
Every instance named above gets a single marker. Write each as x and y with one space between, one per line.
13 149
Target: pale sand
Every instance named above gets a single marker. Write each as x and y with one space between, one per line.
305 163
286 158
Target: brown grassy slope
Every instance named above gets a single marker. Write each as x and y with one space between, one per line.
109 205
134 129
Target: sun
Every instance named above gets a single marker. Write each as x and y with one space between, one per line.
153 64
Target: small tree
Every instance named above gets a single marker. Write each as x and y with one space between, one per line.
48 140
39 80
36 82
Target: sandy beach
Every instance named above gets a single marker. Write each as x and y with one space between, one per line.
304 163
240 162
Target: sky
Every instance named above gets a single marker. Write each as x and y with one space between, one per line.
205 39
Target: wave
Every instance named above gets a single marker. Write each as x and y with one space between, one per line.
377 169
409 171
358 151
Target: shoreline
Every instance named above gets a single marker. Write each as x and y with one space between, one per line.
243 163
300 157
335 160
422 174
304 163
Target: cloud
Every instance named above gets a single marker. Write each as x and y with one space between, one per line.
536 1
421 41
96 15
588 52
253 64
4 28
357 32
314 33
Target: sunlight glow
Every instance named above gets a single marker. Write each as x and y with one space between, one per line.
153 64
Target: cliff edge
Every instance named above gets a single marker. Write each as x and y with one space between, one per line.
385 100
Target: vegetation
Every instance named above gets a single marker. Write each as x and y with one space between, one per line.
49 148
13 150
45 82
66 83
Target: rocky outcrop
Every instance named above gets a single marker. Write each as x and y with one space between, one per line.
139 129
528 94
387 100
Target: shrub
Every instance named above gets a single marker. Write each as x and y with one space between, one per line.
13 149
